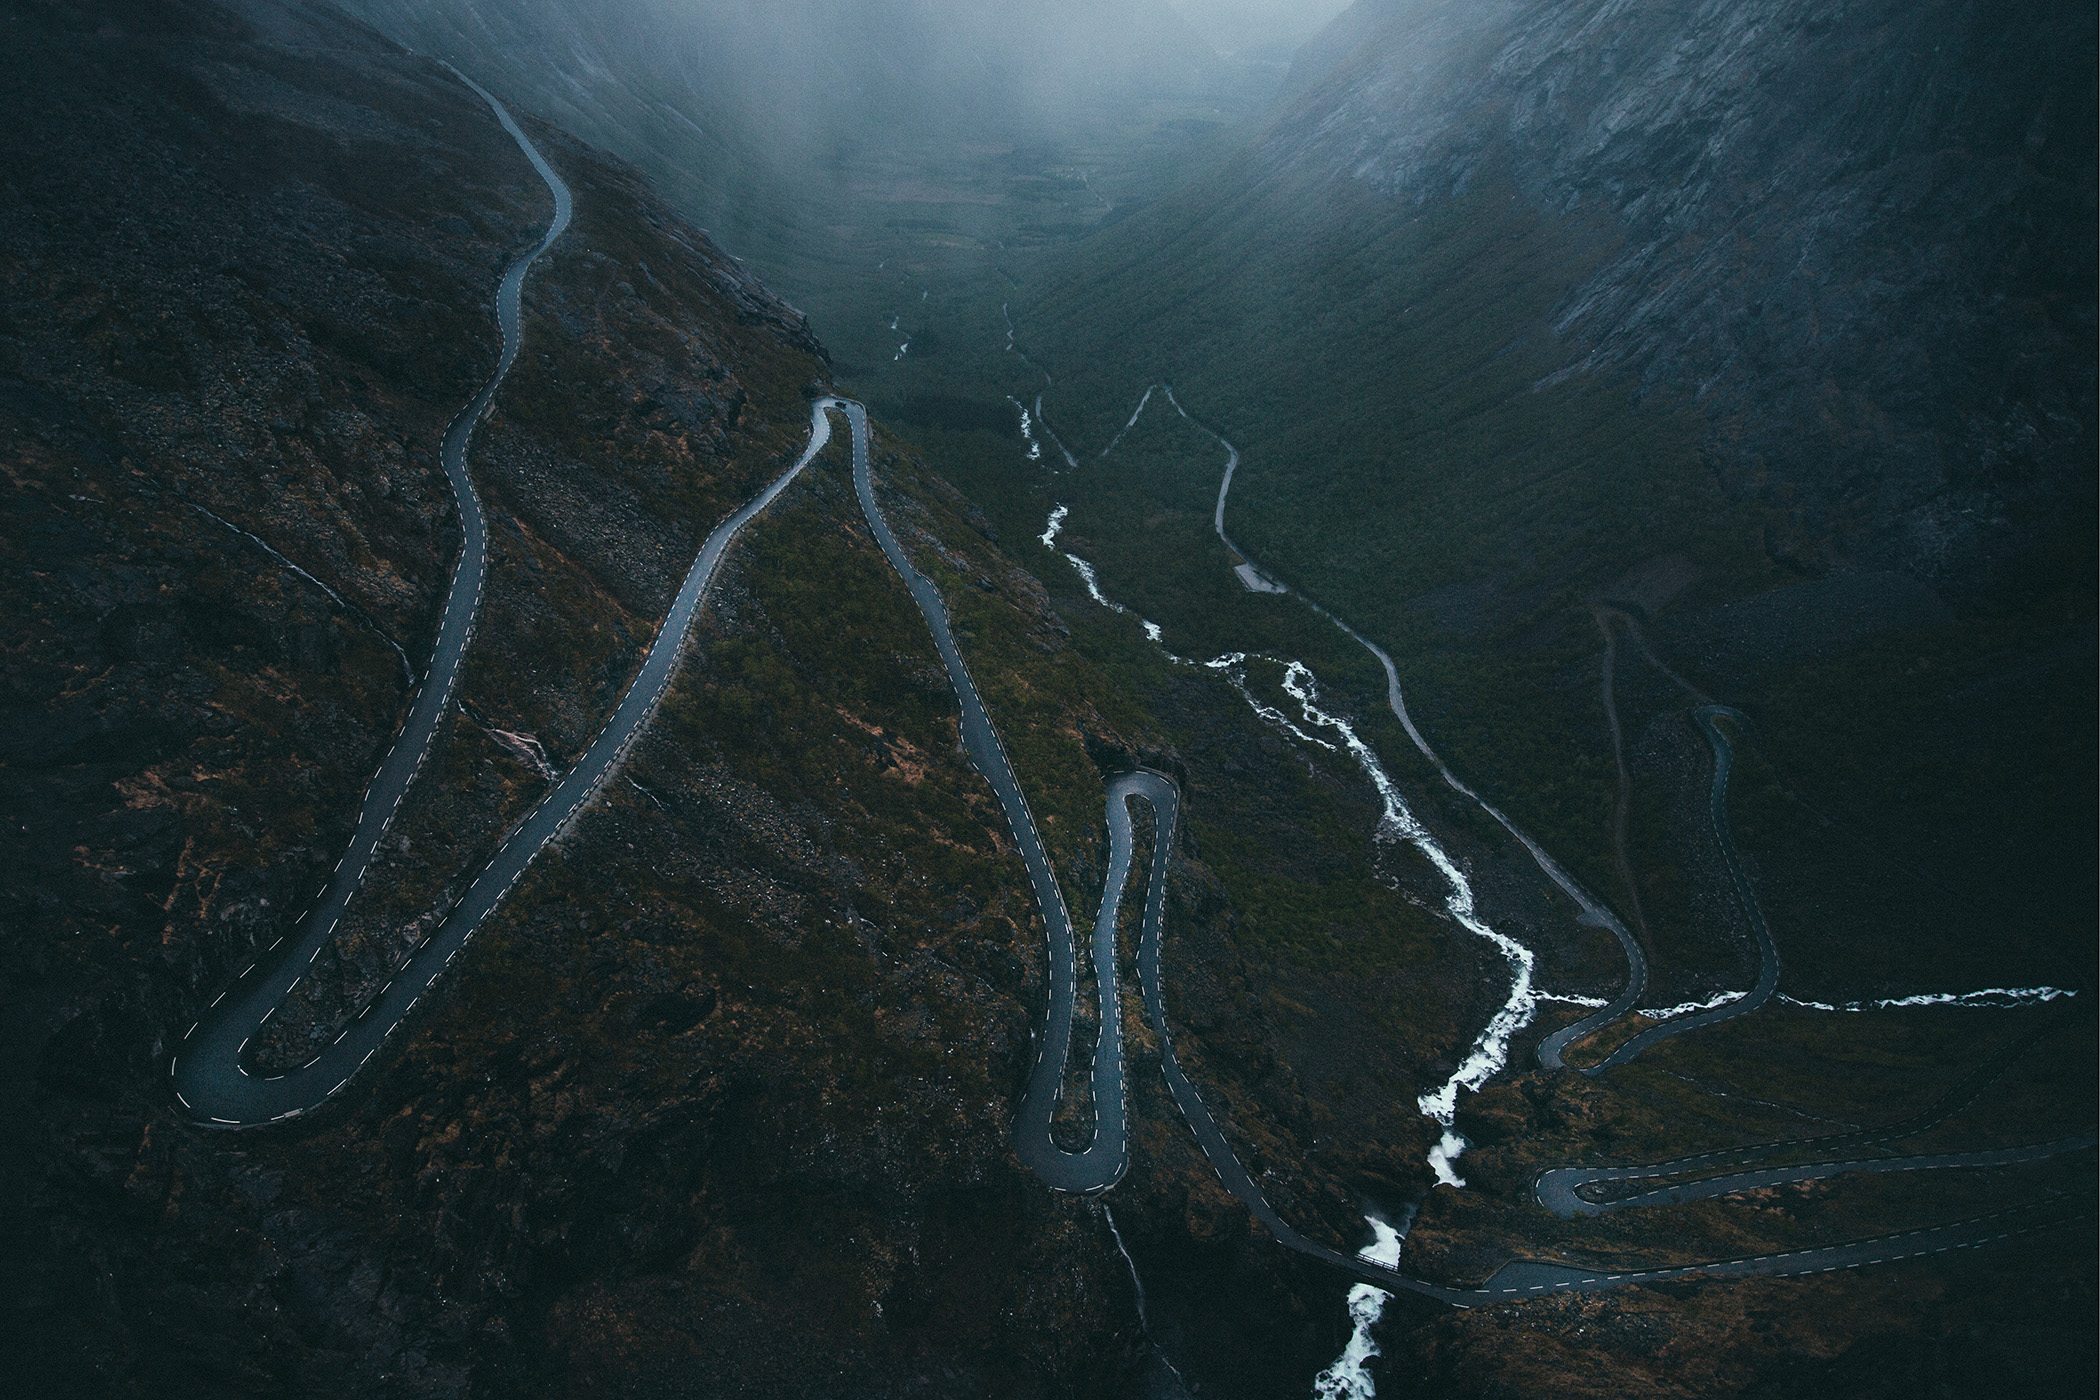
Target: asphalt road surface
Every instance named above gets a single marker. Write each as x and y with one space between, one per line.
1102 1164
1767 950
209 1077
212 1081
1560 1190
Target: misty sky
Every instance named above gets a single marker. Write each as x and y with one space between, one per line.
1258 28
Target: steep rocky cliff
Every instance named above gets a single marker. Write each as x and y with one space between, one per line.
1858 236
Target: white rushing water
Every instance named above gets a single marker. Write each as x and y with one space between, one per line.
1397 823
1570 999
1232 667
1347 1378
1594 911
1035 451
1086 570
1988 998
1686 1008
1490 1050
1992 998
1093 584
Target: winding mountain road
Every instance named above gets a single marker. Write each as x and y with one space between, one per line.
1525 1278
1522 1277
211 1079
1560 1189
1569 1191
1103 1162
1753 912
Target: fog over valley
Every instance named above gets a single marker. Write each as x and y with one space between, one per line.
1050 699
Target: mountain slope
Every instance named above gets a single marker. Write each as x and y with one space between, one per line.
1599 361
1858 235
726 1084
727 1050
721 1098
1856 240
1519 310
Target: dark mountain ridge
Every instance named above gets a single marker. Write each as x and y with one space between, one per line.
1858 237
1522 302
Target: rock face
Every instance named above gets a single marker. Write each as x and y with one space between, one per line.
1859 236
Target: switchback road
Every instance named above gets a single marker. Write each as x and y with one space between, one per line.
1102 1164
211 1077
1558 1189
214 1083
1746 897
